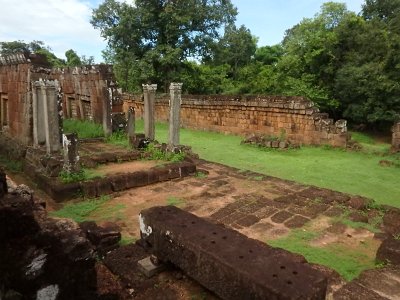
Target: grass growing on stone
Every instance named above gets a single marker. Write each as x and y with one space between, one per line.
82 175
347 262
80 211
127 240
84 128
337 169
174 201
10 165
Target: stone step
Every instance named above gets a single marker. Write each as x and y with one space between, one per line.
377 284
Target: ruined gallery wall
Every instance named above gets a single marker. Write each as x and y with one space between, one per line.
84 90
15 100
294 118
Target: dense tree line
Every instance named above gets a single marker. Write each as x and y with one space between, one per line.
348 64
39 47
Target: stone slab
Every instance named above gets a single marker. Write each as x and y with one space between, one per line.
225 261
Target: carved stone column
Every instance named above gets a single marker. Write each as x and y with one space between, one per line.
46 115
149 93
174 113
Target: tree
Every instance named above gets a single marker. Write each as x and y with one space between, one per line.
367 84
312 57
269 55
73 59
236 48
7 48
157 36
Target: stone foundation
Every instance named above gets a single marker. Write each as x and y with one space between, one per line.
292 118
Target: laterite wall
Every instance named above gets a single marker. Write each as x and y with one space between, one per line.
295 118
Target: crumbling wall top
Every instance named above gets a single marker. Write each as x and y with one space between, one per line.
13 59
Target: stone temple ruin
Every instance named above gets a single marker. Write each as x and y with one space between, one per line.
34 101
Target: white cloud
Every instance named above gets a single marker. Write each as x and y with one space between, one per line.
61 24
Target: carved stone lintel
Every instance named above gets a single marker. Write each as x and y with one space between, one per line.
149 87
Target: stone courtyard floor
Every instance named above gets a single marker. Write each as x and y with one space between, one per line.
269 209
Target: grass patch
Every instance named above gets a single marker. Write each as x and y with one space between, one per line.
154 153
119 138
127 240
345 171
174 201
82 175
11 165
200 174
84 128
369 144
373 226
80 211
114 212
348 263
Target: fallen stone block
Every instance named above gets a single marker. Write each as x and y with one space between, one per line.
149 268
225 261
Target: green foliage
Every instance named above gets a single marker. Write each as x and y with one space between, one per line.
7 48
69 177
80 211
348 263
174 201
119 138
10 164
236 48
73 59
127 240
82 175
155 153
200 175
84 128
150 40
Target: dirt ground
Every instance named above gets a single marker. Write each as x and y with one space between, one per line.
258 206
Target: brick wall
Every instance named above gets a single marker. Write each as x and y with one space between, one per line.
295 118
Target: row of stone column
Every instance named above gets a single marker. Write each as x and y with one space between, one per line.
149 93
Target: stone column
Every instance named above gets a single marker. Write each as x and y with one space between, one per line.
107 109
51 121
131 122
38 100
149 93
396 136
174 113
46 115
71 156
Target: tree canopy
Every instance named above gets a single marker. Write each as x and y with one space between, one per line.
150 40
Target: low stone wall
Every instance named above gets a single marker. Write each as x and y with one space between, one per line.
396 137
293 118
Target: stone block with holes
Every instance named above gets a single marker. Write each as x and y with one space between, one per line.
225 261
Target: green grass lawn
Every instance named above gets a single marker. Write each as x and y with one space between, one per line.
336 169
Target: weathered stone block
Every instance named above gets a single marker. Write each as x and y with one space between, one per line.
225 261
389 251
118 182
136 179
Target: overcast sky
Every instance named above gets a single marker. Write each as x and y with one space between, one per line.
64 24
